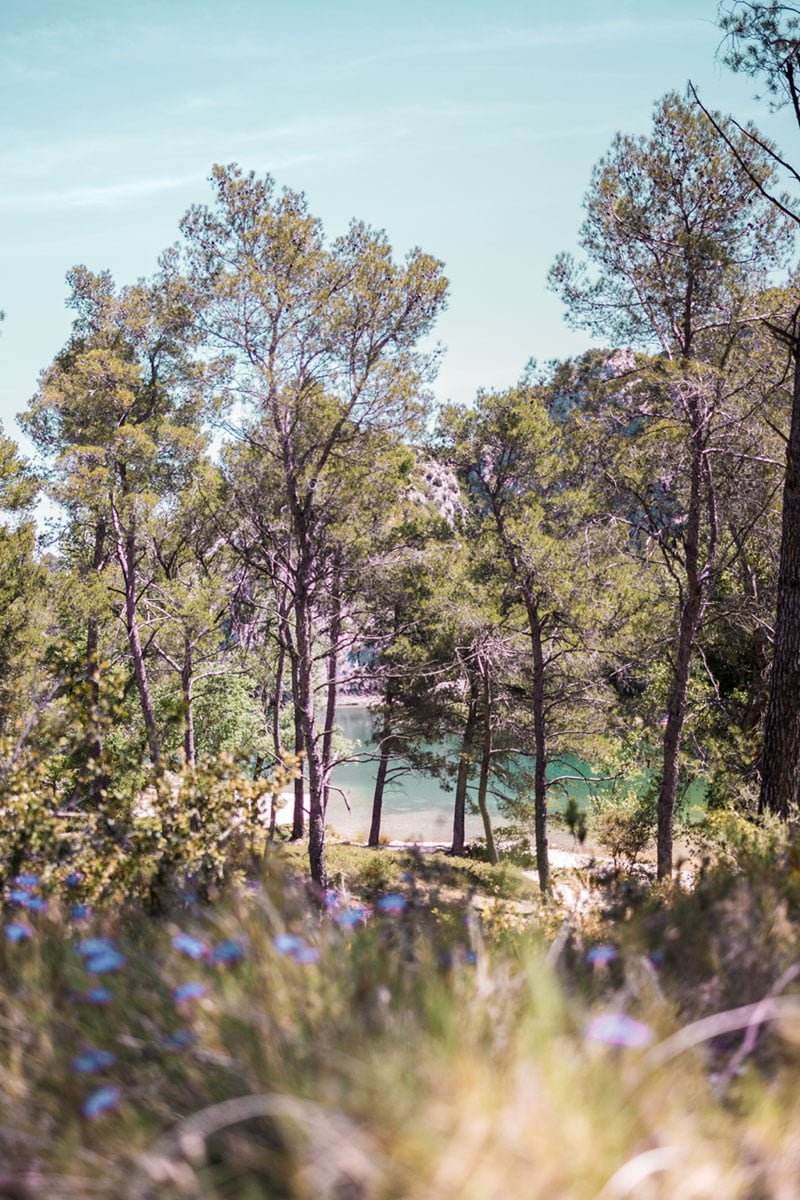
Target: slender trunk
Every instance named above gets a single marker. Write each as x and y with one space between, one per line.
673 735
96 778
305 702
465 763
780 758
298 815
126 553
692 606
383 767
331 685
277 747
486 766
540 746
187 684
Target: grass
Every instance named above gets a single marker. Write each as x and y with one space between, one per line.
431 1052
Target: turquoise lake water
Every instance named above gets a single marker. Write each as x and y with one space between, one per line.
415 806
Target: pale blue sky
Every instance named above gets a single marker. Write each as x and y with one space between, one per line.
468 128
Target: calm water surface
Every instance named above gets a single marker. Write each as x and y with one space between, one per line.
415 806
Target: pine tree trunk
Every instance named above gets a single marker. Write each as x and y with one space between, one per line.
126 553
298 814
673 735
540 747
187 682
486 766
305 702
380 781
465 763
277 748
780 759
692 608
331 685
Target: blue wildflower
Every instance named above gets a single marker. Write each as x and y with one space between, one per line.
307 954
227 952
73 879
392 902
331 899
104 962
80 912
94 946
617 1029
348 918
288 943
17 931
93 1060
178 1040
601 956
189 991
26 881
97 995
101 1101
191 946
19 897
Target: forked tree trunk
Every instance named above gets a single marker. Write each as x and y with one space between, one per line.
780 758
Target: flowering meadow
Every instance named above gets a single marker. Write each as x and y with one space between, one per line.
392 1038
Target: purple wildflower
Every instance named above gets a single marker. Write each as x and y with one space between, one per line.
617 1029
190 946
601 956
331 899
189 991
101 1101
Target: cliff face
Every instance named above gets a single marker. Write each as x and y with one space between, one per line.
437 485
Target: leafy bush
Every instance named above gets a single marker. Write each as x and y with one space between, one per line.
624 820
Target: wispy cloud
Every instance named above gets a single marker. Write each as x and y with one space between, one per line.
96 196
493 41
